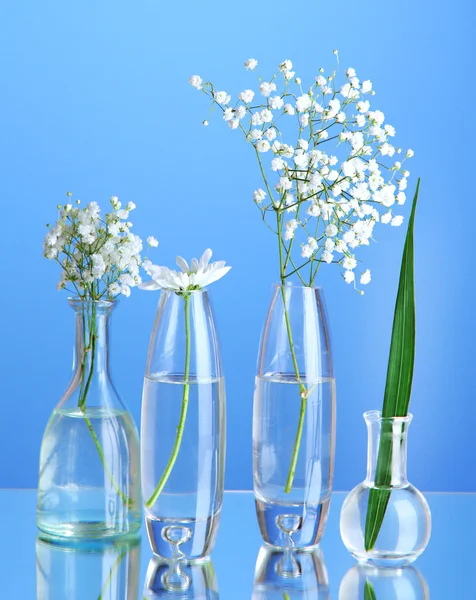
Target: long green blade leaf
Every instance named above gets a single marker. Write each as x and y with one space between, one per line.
398 386
369 592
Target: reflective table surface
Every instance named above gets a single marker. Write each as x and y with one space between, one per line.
240 567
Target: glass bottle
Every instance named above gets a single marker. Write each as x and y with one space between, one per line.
102 571
404 531
89 481
183 428
294 419
367 582
297 574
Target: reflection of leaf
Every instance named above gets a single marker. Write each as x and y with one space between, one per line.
112 570
398 386
286 596
369 593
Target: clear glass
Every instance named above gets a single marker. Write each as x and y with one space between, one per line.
184 580
294 419
366 582
183 428
286 574
89 481
406 525
88 571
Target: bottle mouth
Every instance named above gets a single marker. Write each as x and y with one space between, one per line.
297 286
78 303
375 416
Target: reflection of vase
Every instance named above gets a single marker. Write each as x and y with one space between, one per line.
286 574
294 419
92 570
365 582
89 483
183 428
402 532
181 580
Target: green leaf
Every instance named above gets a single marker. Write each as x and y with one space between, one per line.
398 386
369 593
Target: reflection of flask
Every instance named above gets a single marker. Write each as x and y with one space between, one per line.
179 579
365 581
90 570
296 574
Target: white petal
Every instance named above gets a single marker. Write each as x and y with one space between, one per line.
194 266
149 286
214 275
206 256
182 264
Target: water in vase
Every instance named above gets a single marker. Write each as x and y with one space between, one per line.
89 467
183 518
295 517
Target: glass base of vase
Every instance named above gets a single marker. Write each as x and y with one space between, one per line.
86 526
292 525
386 560
188 539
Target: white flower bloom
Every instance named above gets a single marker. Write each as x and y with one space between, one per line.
304 119
289 229
276 102
277 164
286 65
266 88
390 130
396 221
349 263
366 87
194 277
284 184
233 123
256 134
153 243
401 198
263 146
386 218
350 72
349 276
270 134
240 112
247 96
365 277
289 109
303 103
363 106
196 82
266 115
327 256
114 289
402 184
256 119
410 153
331 230
222 98
385 196
259 195
321 81
228 114
250 64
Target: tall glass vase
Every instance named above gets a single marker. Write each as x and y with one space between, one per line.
183 428
401 527
294 419
89 481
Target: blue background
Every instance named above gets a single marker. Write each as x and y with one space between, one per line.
94 99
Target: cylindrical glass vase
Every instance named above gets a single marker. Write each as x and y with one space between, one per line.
390 524
294 419
194 580
183 428
89 481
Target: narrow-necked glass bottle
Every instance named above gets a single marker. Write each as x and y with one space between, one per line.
294 419
183 428
401 529
89 482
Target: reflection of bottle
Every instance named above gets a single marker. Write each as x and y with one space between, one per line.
365 582
286 574
88 571
179 579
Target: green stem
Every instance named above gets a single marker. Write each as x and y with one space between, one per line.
91 348
183 413
113 569
302 387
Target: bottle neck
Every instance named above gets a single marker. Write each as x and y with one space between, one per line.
387 447
91 354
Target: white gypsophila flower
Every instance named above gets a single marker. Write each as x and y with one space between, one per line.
410 153
336 175
365 277
196 82
99 256
246 96
198 275
259 195
222 98
251 64
152 241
